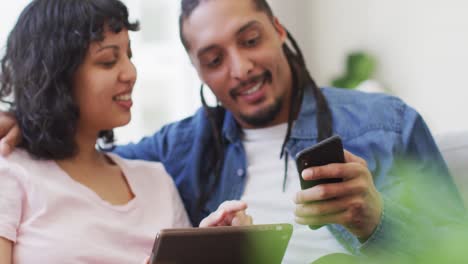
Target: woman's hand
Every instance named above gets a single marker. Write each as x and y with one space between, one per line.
229 213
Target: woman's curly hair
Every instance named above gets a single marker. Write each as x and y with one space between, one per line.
43 52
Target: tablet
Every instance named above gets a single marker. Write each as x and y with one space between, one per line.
230 245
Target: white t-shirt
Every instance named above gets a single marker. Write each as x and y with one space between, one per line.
54 219
267 203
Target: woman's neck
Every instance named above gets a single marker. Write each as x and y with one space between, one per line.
86 154
94 170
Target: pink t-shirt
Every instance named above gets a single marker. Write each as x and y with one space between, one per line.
54 219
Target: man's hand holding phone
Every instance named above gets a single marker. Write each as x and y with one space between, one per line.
352 201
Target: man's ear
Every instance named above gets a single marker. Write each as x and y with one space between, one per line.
196 67
191 61
280 29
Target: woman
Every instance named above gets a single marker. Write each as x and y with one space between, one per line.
68 67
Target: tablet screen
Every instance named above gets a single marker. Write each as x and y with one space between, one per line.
246 244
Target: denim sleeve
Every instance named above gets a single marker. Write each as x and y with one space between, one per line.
147 148
167 145
158 147
423 199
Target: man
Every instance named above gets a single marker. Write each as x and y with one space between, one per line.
269 105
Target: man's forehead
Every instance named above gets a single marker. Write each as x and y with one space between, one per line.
209 25
212 43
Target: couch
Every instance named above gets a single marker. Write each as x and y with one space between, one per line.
454 148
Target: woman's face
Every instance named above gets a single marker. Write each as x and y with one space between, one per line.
104 82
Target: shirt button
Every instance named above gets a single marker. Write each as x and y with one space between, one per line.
240 172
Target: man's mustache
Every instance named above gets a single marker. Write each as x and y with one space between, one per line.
236 91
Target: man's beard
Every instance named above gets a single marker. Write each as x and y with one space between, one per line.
264 116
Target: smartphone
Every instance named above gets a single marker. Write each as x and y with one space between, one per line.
325 152
328 151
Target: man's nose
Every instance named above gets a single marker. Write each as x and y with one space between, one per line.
241 66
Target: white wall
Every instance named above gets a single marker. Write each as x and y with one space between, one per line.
167 87
421 46
9 13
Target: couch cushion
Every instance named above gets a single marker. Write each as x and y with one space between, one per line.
454 148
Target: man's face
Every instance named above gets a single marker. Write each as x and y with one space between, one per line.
238 53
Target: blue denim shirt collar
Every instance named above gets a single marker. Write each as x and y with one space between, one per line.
231 130
305 126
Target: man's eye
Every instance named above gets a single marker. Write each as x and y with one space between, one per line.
215 62
251 42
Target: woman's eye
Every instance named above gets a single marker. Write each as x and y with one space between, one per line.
108 64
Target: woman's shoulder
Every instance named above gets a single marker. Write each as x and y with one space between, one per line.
20 167
19 159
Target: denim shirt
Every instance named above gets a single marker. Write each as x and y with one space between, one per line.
378 128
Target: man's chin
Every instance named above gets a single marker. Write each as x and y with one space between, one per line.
262 117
